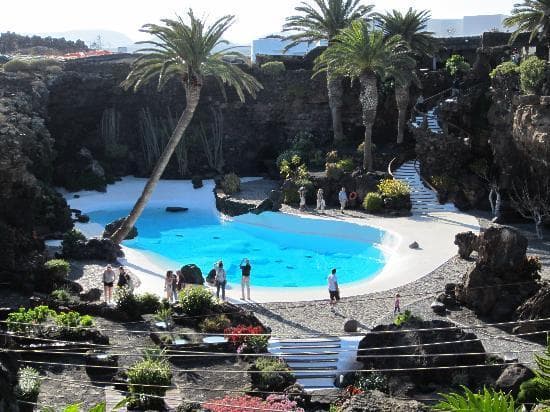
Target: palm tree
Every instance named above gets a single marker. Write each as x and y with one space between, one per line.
359 53
531 16
322 20
182 51
411 26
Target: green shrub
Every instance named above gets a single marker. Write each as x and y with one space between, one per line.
456 64
57 269
332 156
196 300
487 401
39 65
27 319
164 315
508 68
533 390
231 184
372 381
148 303
149 372
215 324
73 320
64 297
127 302
293 169
28 384
531 74
71 242
255 344
346 165
373 202
16 65
287 155
274 374
333 171
53 69
273 68
405 317
290 192
393 188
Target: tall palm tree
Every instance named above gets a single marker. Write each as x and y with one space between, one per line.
322 20
359 53
531 16
411 26
184 51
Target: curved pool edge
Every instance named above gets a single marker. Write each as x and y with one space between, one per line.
434 233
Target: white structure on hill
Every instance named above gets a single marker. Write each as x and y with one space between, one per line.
467 26
275 47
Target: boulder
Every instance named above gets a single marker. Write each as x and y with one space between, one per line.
439 308
351 325
276 197
468 350
414 245
265 205
192 274
210 278
176 209
512 377
537 306
376 401
467 243
102 249
502 249
83 218
196 181
113 226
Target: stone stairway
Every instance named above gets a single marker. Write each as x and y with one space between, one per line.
433 122
423 199
318 362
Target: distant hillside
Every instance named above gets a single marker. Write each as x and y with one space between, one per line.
17 43
103 39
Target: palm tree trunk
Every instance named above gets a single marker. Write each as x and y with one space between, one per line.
369 102
335 102
402 100
192 96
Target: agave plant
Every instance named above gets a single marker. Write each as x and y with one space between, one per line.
486 401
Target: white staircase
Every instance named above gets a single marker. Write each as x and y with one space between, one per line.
423 199
317 363
433 122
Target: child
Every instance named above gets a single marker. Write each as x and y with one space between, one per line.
397 307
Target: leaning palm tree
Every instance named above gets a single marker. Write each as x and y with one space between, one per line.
322 20
411 26
186 52
531 16
359 53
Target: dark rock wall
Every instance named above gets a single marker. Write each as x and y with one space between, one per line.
255 132
29 208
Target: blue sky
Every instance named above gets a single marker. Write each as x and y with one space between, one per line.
255 18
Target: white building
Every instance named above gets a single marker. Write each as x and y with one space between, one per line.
467 26
276 47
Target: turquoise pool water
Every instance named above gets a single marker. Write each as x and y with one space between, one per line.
284 250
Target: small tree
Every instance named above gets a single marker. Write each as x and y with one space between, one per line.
456 64
531 74
532 201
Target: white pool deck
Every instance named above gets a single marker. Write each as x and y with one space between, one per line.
434 233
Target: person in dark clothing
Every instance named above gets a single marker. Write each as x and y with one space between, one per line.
122 277
245 278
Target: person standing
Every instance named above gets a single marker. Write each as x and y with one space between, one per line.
245 277
320 201
181 280
122 278
221 280
168 284
333 290
108 281
397 304
175 286
343 198
302 192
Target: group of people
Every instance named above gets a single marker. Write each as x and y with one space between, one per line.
321 204
220 278
173 283
124 280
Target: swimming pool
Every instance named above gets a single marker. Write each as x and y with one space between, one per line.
285 251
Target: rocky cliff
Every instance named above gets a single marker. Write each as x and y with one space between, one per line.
29 208
124 131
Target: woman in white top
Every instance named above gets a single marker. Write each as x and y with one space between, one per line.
343 198
221 280
108 280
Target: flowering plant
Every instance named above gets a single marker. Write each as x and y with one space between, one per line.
247 339
252 403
